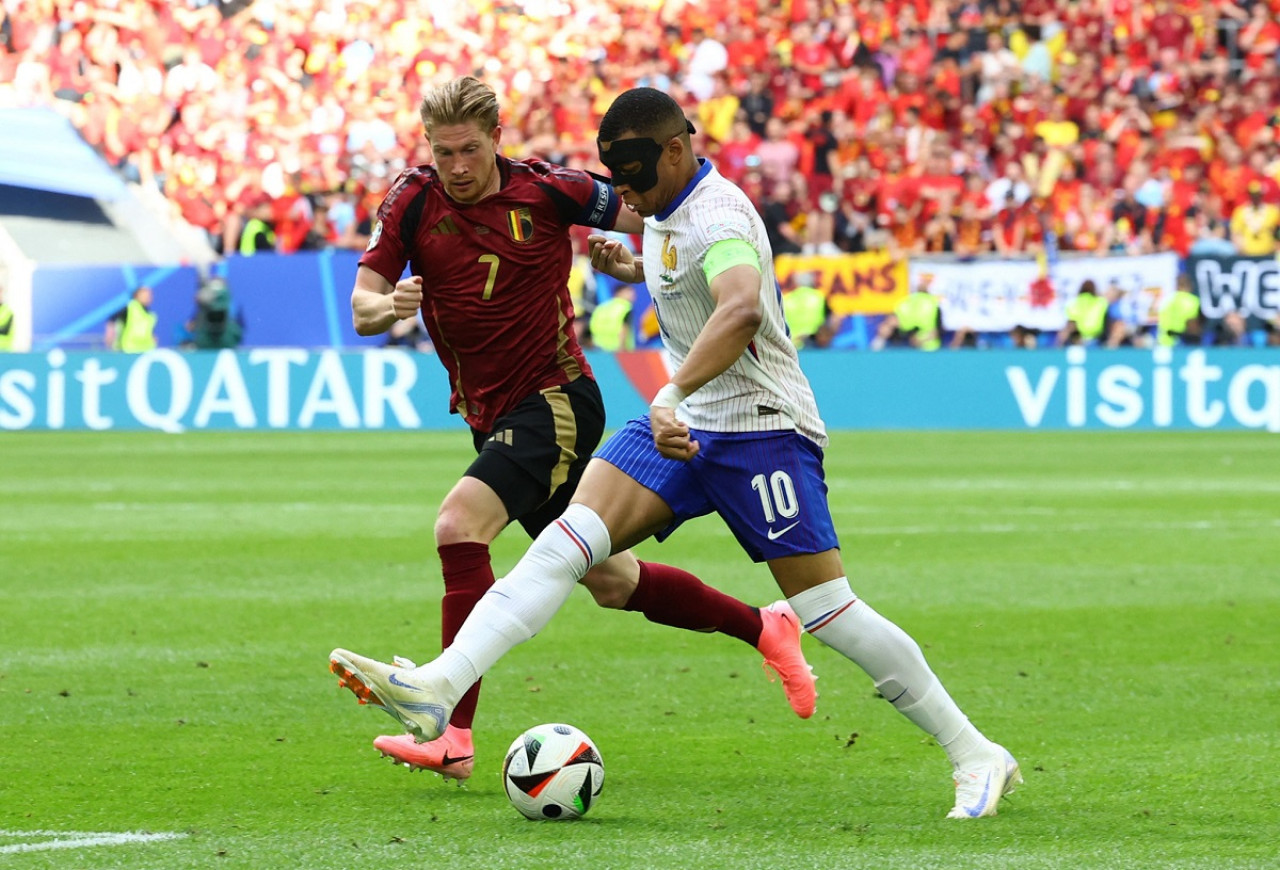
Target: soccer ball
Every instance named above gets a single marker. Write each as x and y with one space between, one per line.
553 771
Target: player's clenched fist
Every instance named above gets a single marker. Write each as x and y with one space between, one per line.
670 436
407 297
613 258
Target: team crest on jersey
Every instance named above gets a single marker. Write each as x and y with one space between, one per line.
668 260
374 236
520 223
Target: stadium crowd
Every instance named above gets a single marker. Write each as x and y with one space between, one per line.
964 126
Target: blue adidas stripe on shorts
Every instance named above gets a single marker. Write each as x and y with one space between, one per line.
769 487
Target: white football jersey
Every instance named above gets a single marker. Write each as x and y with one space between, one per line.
763 391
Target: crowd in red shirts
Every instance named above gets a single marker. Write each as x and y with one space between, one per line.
966 126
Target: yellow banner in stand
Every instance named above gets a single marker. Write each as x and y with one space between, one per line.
868 283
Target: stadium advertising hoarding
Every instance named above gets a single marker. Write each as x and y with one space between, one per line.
1201 388
292 388
302 300
281 388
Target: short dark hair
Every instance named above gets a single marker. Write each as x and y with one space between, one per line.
645 112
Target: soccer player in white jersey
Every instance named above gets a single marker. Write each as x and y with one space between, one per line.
736 431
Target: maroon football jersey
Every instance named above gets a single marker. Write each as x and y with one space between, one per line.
495 277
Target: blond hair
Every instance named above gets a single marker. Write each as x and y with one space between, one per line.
464 100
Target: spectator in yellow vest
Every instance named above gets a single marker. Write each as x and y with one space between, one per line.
6 324
611 321
1179 318
1086 317
805 308
258 234
132 329
915 322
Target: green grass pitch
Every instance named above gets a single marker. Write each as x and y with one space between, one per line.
1107 605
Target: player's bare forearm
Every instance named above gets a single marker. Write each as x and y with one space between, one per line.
371 313
376 304
728 331
720 344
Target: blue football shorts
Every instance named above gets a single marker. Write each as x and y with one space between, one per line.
768 487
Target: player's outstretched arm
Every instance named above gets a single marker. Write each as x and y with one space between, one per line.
376 304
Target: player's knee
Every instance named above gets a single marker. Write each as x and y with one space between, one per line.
456 527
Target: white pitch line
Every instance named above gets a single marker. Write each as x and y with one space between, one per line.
78 840
1019 528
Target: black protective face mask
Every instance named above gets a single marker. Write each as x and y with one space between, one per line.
640 150
646 152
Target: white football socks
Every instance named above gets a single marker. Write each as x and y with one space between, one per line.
834 615
520 604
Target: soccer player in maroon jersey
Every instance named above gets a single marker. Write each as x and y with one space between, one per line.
487 243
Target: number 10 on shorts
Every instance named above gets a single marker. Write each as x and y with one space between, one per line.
777 496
